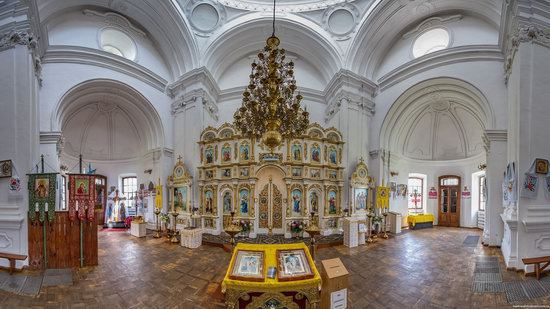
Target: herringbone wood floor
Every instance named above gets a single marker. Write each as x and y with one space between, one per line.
428 268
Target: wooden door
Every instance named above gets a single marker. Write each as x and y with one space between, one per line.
449 201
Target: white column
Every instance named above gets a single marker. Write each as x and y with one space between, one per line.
496 150
527 65
18 136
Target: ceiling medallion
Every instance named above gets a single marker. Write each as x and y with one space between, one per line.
284 5
270 109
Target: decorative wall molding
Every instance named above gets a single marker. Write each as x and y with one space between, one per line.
184 101
538 219
355 89
332 109
199 78
5 241
17 37
117 20
199 21
353 17
100 58
543 242
299 6
211 108
440 58
493 135
431 23
50 137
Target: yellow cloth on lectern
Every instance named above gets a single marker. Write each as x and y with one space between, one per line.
414 219
270 253
383 197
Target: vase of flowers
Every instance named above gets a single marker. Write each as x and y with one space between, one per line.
377 223
245 225
165 219
296 228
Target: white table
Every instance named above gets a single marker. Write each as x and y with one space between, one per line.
191 238
138 229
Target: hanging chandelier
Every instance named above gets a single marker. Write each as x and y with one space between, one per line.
270 109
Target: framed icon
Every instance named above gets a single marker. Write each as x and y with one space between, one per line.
541 166
293 265
248 265
5 168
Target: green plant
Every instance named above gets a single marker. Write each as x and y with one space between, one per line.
377 219
164 217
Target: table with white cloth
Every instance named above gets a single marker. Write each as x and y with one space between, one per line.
191 238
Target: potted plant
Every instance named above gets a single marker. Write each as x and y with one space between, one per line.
245 225
165 219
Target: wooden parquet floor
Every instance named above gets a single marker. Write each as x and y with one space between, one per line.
429 268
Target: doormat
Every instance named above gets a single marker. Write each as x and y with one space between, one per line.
29 285
471 241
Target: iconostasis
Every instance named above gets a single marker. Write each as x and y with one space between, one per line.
270 191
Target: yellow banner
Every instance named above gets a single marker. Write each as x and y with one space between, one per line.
383 197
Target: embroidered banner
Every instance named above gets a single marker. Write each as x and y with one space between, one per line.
432 195
383 197
547 187
82 193
42 191
530 184
509 185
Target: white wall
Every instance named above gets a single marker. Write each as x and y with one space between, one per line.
466 31
59 78
78 29
433 170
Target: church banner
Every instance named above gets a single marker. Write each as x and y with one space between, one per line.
82 192
42 191
383 197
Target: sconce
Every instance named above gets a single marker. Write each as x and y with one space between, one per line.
392 173
149 171
482 166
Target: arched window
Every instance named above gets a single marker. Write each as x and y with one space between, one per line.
118 43
431 41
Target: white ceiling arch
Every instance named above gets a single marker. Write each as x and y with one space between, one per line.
164 20
246 35
438 119
390 19
107 120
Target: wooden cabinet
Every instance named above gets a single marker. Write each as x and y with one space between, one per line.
449 201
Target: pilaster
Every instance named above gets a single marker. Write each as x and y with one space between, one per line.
496 151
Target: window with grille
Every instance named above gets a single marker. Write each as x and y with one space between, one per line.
416 189
129 188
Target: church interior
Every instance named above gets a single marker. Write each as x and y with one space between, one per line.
274 154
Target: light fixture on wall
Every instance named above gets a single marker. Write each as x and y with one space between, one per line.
270 109
149 171
482 166
393 173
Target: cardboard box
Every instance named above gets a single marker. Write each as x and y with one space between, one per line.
335 278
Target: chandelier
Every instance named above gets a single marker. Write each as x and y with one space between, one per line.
270 108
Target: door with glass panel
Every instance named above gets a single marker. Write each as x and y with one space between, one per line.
449 201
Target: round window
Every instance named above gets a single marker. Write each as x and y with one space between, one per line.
431 41
117 42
